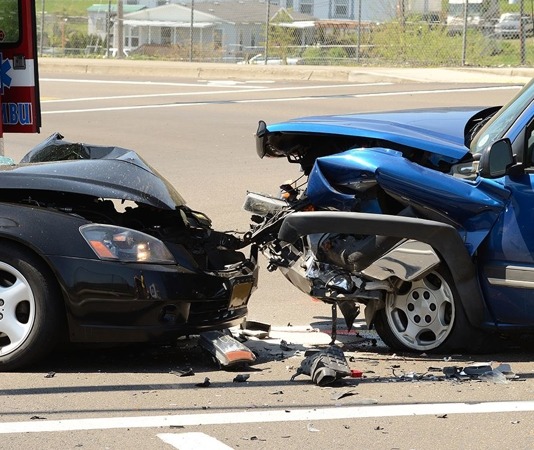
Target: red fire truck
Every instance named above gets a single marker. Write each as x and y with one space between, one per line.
19 80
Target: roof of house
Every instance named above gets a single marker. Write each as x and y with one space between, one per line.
104 8
243 11
169 15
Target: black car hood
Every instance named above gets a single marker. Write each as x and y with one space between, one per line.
103 172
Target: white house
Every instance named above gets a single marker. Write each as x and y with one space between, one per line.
166 25
232 26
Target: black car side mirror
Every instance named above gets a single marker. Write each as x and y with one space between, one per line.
496 159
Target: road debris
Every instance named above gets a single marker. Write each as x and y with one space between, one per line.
502 374
324 366
241 378
204 384
226 350
343 394
183 373
285 346
255 329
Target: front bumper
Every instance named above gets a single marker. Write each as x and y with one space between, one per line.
117 302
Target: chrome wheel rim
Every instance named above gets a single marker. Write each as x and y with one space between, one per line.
421 313
17 309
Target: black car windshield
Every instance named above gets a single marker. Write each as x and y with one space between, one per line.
505 117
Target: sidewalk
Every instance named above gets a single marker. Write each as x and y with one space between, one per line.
212 71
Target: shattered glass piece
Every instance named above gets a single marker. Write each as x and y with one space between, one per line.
6 161
507 371
494 376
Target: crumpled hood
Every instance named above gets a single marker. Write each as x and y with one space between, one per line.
103 172
437 130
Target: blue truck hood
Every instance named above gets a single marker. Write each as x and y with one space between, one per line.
436 130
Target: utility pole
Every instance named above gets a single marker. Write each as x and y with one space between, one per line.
108 29
42 27
268 18
120 30
522 33
464 38
191 30
359 31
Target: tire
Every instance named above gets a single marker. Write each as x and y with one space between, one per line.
31 308
424 315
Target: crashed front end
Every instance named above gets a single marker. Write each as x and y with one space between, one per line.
380 196
134 263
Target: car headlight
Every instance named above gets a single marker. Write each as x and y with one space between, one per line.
115 243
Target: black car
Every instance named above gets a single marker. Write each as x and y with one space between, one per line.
97 247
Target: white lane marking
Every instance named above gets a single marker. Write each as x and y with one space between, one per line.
281 415
193 441
269 100
196 94
133 83
123 108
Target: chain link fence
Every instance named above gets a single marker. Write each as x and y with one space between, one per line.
425 33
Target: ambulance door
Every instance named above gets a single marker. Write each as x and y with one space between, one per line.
19 79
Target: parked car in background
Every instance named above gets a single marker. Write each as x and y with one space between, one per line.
509 26
98 248
271 60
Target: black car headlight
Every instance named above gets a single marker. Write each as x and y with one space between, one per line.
113 243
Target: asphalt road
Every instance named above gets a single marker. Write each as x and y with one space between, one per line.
199 134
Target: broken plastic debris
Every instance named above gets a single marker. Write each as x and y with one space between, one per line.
255 329
324 366
183 373
343 394
310 427
241 378
285 346
226 350
205 383
477 369
454 372
482 371
50 375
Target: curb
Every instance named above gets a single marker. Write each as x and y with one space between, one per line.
210 71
